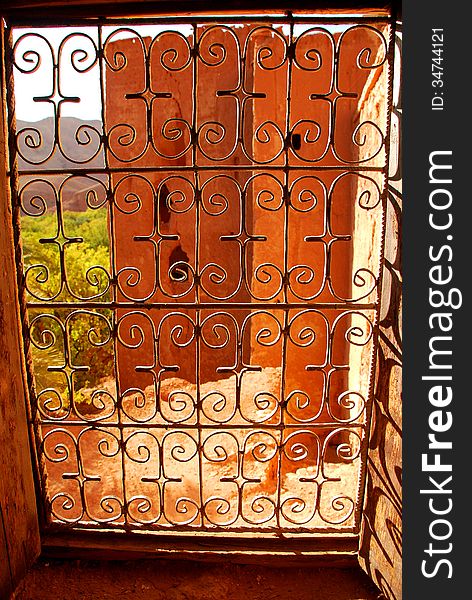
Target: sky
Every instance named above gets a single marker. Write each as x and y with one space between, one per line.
85 85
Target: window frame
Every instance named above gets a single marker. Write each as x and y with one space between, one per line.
330 550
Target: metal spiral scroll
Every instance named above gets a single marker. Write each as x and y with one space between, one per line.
206 372
208 53
222 205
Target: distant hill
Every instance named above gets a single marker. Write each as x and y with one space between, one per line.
69 126
79 153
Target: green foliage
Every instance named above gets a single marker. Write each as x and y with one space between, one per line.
42 255
86 273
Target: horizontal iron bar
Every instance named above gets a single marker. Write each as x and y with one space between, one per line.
220 427
219 168
332 19
225 306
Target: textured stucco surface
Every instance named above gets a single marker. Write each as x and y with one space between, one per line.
178 580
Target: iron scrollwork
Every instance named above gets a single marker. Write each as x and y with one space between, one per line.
201 268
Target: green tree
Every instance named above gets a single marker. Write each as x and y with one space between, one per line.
84 276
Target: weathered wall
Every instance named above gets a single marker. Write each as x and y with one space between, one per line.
19 533
152 220
380 551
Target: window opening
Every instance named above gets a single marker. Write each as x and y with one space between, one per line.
202 205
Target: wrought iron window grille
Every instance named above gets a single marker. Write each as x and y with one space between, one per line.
201 268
